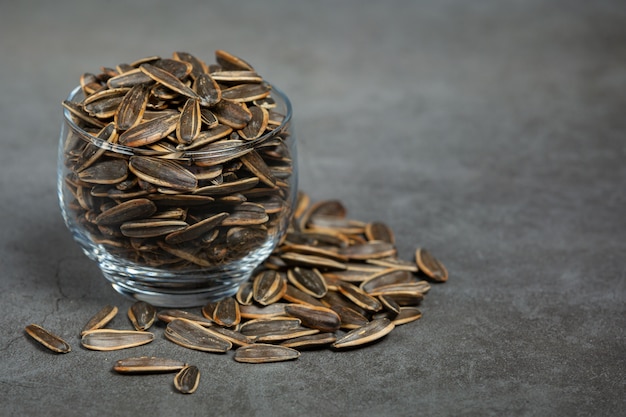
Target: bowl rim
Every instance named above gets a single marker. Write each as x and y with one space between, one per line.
187 155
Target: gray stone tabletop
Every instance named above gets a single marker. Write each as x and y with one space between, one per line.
490 132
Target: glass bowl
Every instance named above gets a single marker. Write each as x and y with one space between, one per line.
170 225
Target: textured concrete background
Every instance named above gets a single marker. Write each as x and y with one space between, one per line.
491 132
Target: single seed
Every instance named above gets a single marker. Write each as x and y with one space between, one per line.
100 319
48 339
147 365
193 336
368 333
141 315
187 379
105 340
264 353
431 266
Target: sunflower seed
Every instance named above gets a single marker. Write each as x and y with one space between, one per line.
189 123
129 79
208 90
169 80
193 336
255 163
359 297
311 261
187 379
256 312
150 131
320 318
229 61
162 172
132 107
246 93
232 114
310 341
429 265
48 339
197 66
268 287
369 250
386 277
112 171
264 353
195 230
374 330
126 211
265 326
100 319
227 312
228 188
389 304
350 318
234 337
379 231
407 315
208 136
294 295
167 316
309 281
141 315
151 227
146 364
105 340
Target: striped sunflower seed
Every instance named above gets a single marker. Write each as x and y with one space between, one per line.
374 330
193 336
321 318
167 316
146 364
100 319
46 338
431 266
265 353
141 315
187 379
105 340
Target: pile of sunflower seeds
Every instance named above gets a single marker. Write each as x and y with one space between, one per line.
191 165
333 282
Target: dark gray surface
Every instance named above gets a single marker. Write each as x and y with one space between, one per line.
490 132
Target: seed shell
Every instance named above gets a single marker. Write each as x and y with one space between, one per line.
167 79
193 336
379 231
431 266
132 107
163 172
372 331
141 315
146 364
227 312
187 379
167 316
321 318
48 339
310 341
105 340
359 297
150 131
189 123
100 319
265 353
268 287
309 281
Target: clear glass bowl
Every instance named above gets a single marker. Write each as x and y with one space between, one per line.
176 247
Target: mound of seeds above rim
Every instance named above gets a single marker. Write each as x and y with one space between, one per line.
179 164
